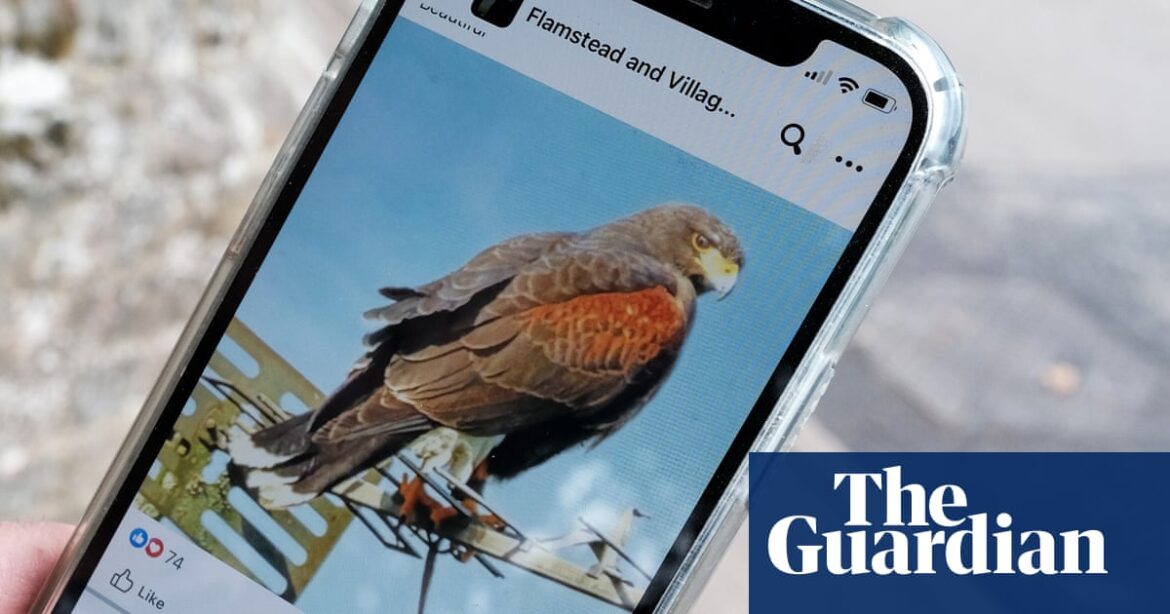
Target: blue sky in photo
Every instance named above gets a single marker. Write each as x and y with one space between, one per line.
444 153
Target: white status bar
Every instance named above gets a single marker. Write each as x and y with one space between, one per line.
823 135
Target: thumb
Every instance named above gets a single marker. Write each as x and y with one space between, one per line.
27 554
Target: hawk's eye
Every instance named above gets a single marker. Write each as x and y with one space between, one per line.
701 242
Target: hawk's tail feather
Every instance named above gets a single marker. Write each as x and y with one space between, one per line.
270 446
301 478
288 438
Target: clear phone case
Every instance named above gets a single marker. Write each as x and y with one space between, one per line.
933 167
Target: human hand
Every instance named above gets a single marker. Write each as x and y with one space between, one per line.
28 552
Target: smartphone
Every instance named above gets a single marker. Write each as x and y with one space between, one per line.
525 286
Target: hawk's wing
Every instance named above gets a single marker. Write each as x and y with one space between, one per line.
492 266
568 334
442 297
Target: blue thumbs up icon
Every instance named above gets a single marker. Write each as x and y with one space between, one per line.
138 538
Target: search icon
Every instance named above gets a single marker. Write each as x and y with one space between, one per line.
793 135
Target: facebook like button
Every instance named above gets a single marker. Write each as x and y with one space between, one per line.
138 538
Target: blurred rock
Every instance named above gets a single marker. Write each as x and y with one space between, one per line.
39 27
132 137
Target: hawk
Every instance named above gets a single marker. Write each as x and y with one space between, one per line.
537 344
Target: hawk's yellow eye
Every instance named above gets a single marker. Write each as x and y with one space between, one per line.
701 242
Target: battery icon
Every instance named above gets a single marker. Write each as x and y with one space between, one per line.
879 101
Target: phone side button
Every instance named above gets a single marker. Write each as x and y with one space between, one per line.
814 399
258 211
822 384
349 39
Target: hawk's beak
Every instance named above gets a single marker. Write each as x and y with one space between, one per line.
720 273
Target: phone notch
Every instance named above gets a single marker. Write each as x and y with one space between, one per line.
499 13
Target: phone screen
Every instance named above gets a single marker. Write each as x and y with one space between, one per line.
523 311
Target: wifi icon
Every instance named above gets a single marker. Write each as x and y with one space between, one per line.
847 84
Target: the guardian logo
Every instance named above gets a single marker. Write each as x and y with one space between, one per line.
925 532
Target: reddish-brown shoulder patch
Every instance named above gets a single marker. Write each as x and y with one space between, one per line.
615 331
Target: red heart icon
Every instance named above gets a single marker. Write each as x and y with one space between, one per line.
154 548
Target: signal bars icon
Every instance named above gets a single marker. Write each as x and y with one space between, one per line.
821 77
846 84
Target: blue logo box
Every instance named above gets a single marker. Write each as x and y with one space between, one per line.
959 533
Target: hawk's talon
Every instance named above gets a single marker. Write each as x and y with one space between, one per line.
439 515
480 474
414 498
493 521
418 508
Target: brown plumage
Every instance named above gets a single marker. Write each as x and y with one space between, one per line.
544 341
